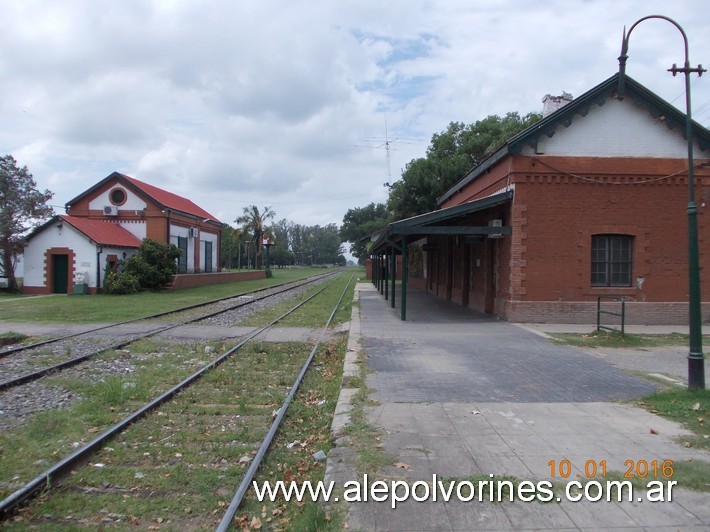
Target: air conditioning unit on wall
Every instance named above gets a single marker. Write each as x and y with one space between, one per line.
110 210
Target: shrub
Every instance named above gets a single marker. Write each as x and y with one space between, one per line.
120 283
154 264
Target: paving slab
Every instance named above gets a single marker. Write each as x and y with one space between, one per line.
461 396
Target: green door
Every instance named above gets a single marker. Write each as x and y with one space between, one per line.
182 260
208 257
60 275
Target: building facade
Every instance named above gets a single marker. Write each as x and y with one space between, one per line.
105 225
590 201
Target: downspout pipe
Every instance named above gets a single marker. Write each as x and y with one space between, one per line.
98 267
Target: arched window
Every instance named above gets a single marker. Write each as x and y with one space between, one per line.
612 260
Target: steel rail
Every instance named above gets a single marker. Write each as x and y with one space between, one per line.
38 374
13 350
44 480
266 442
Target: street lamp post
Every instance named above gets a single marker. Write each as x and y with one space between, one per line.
696 359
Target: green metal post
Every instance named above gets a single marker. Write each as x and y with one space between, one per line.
382 275
386 278
393 271
696 359
404 278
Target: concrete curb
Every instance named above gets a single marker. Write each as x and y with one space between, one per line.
336 465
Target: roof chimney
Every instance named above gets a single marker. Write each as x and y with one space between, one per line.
553 103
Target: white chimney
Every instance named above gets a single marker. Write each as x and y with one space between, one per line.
550 104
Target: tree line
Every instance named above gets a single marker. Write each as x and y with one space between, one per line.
289 244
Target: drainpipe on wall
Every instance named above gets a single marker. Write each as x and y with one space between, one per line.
98 268
167 230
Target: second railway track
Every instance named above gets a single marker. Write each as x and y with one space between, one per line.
25 364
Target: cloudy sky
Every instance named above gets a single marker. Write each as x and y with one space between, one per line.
289 104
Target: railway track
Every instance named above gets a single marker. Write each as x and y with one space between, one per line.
34 361
260 388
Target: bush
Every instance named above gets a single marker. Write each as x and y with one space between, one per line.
120 283
154 264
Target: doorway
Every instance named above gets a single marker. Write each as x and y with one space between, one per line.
60 274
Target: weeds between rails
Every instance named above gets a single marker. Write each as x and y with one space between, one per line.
222 394
70 361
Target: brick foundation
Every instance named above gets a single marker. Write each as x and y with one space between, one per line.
637 313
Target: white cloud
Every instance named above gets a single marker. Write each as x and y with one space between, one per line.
267 102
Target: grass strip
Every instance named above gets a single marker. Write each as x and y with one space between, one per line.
102 308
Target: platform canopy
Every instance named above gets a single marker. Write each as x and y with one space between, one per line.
392 240
442 222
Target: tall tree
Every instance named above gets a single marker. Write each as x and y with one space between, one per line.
450 155
22 207
358 224
254 222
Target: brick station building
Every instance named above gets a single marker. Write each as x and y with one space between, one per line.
590 201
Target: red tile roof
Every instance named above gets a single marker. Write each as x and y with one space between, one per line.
170 200
102 232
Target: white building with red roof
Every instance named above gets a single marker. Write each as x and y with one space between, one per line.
106 224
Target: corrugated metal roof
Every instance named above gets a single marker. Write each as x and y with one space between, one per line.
102 232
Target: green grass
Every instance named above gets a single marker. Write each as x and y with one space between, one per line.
311 314
110 308
688 407
617 340
10 337
6 296
48 436
308 421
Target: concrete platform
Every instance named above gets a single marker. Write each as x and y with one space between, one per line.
461 396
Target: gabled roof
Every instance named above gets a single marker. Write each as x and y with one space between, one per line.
656 106
102 232
165 199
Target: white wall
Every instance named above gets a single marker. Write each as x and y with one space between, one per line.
208 237
66 237
177 231
616 129
137 228
85 255
133 202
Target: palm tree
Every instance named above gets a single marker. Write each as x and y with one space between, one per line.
252 221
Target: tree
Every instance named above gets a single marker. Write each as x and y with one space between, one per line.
232 239
22 207
253 221
450 155
359 224
154 265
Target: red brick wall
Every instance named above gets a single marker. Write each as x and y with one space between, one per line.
558 214
202 279
543 270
